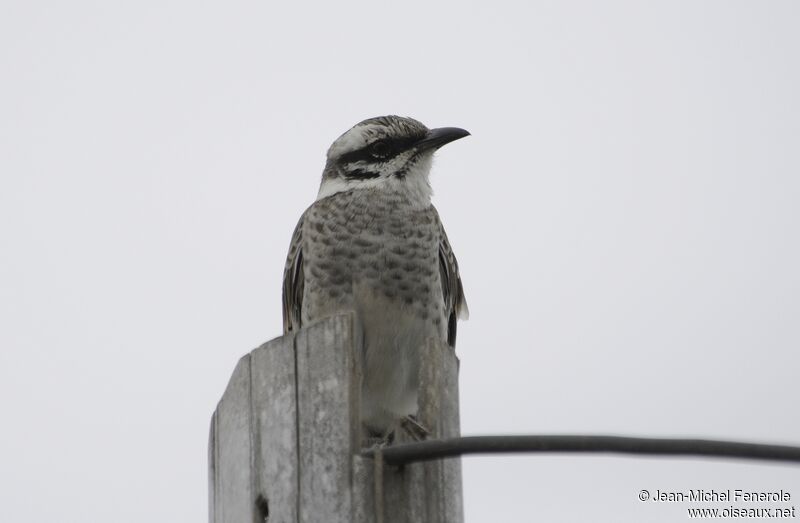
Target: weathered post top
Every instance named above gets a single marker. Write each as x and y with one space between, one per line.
285 439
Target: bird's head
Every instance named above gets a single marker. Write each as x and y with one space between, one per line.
387 152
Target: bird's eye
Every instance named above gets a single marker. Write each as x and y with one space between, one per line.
380 149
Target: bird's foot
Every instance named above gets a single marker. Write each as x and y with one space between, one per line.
402 430
415 430
380 441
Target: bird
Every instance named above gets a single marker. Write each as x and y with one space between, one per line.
372 244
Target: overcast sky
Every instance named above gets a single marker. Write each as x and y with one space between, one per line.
625 215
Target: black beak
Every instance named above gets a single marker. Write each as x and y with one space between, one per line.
439 137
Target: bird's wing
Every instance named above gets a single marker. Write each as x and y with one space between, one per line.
455 304
293 282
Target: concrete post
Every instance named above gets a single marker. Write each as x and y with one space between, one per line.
286 437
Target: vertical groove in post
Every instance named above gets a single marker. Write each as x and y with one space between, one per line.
451 468
252 442
232 467
432 384
363 489
275 430
255 447
325 373
298 469
354 348
431 491
378 481
212 466
439 408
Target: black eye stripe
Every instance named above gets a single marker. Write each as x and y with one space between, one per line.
366 153
382 149
361 155
360 174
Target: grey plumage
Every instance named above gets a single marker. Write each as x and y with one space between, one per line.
373 244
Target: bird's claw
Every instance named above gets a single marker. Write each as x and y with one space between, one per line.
415 430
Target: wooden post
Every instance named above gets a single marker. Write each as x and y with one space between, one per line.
286 437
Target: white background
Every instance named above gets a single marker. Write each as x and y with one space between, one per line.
625 216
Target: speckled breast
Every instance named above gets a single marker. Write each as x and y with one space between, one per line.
376 243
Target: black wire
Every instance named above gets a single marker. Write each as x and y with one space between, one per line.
451 447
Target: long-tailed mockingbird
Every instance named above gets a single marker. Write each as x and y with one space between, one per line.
372 243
